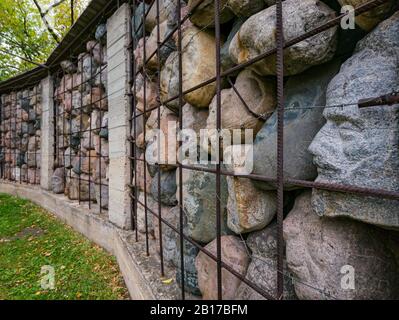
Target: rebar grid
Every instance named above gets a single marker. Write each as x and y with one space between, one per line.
77 96
20 135
279 181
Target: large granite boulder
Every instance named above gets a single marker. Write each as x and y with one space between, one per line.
204 14
334 246
199 65
303 118
235 255
248 208
258 35
168 187
199 204
371 18
259 95
262 269
360 147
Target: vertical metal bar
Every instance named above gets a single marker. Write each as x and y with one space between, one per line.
80 136
91 106
218 171
101 128
181 220
280 145
135 204
20 143
158 141
35 144
144 130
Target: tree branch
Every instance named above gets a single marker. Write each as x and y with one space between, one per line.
55 4
50 30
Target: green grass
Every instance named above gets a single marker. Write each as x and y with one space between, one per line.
82 269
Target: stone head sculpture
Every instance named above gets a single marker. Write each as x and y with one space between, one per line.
360 146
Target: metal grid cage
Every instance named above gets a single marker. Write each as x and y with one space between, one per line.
20 135
81 124
148 104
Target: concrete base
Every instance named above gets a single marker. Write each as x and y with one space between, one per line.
140 272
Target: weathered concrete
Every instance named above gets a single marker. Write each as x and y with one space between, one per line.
47 137
118 28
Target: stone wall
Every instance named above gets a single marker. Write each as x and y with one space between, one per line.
81 108
20 131
324 231
328 236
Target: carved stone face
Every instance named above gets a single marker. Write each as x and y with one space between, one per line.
360 147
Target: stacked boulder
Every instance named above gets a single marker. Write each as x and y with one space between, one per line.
20 155
334 145
81 166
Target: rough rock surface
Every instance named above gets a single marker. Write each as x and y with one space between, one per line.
199 204
245 8
204 14
302 120
248 208
360 146
57 181
235 255
257 35
171 250
262 269
259 95
199 65
170 81
330 245
168 187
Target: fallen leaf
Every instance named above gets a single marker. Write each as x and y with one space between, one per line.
167 281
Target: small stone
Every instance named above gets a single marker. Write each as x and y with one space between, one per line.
68 66
234 254
57 180
101 33
102 190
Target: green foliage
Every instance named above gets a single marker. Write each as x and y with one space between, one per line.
24 34
82 270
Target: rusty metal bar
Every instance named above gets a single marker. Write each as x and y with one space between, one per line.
280 146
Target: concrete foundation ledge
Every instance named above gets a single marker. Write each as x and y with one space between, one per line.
140 271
